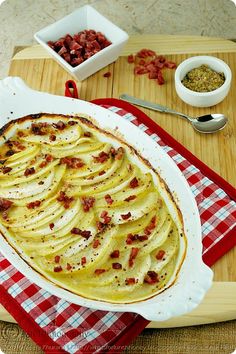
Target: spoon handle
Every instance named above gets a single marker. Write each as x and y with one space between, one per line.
150 105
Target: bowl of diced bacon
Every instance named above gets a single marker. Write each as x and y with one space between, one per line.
83 42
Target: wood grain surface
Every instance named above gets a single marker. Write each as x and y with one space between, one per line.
218 151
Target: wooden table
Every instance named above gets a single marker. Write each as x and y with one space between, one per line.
218 151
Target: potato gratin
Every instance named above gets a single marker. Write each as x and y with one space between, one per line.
76 206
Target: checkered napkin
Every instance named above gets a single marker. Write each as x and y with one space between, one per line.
59 326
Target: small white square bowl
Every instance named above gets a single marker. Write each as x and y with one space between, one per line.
83 18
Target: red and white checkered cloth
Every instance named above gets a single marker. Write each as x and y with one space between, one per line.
59 326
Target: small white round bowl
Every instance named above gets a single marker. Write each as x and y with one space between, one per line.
202 99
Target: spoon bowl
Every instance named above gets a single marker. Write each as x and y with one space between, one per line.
209 123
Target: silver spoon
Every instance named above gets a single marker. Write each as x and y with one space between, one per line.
209 123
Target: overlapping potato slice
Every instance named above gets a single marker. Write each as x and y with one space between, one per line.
83 215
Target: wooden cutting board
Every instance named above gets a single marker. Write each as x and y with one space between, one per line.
218 151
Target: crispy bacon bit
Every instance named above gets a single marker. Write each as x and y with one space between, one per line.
34 204
20 133
68 266
130 59
87 203
49 158
106 218
131 238
88 134
6 170
133 254
143 238
151 277
160 254
39 128
72 162
115 254
102 157
72 122
126 216
130 281
57 259
18 145
108 199
51 225
5 204
43 164
116 266
107 74
117 154
57 269
150 227
100 226
83 260
52 137
101 173
65 199
96 243
84 233
131 197
59 125
29 171
10 153
99 271
134 183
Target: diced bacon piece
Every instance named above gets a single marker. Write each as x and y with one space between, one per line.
49 158
100 226
43 164
170 65
51 225
115 254
106 218
66 201
57 269
139 70
99 271
108 199
67 57
29 171
57 259
160 78
130 59
142 62
143 238
102 157
68 39
96 243
74 45
126 216
34 204
52 137
68 266
153 75
60 125
151 277
131 197
83 260
72 162
101 173
148 229
116 266
134 183
5 204
62 50
107 74
6 170
130 281
160 254
88 134
76 61
87 203
133 254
